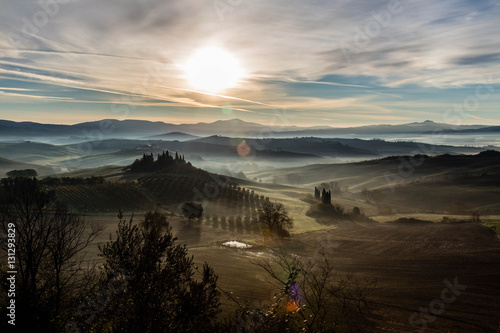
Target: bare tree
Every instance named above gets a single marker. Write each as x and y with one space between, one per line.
475 217
50 244
275 217
70 237
313 298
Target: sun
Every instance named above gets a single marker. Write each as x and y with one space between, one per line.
212 69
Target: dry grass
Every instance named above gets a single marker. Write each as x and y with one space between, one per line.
409 261
493 224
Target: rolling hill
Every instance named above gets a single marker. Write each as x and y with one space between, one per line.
215 151
139 191
7 165
337 147
35 152
385 171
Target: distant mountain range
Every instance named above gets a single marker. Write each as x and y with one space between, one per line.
425 127
140 129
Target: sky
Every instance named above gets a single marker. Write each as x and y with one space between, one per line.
299 62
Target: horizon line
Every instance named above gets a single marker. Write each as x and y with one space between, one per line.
183 122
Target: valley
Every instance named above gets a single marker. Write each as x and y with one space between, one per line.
404 216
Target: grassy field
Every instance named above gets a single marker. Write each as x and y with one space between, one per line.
493 224
409 261
290 197
432 217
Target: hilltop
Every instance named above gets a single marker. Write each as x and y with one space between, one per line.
180 136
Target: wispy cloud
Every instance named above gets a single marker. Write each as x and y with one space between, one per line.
14 89
38 97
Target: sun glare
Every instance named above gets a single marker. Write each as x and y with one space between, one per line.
212 69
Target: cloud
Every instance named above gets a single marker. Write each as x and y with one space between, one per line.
14 89
38 76
20 96
303 55
479 59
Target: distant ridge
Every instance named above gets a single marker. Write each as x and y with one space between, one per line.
175 136
135 129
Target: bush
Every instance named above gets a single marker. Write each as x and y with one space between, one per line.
192 210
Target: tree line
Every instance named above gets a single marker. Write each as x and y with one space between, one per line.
22 173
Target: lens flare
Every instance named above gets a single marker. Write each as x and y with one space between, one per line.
243 149
292 306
